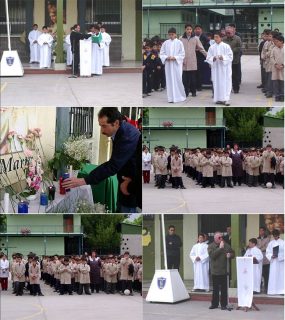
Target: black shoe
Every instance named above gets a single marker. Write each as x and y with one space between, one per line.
260 86
194 95
212 186
40 295
182 187
236 91
230 186
223 308
213 307
88 294
199 89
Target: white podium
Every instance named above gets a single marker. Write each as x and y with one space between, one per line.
244 281
11 65
167 286
85 47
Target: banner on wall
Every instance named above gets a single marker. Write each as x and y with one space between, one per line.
51 14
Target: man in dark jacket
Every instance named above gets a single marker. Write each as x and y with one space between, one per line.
123 161
173 245
75 37
220 254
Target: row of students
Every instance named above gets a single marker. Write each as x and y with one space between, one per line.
271 50
210 167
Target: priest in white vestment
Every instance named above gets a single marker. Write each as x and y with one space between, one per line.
45 41
257 255
172 55
67 45
34 46
275 255
97 51
220 57
106 40
200 258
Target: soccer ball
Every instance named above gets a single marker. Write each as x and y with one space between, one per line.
127 292
268 185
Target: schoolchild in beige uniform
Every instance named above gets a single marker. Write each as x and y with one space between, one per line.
65 272
84 277
111 276
34 277
127 272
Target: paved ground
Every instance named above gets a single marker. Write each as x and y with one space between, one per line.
249 95
55 307
115 89
199 310
196 200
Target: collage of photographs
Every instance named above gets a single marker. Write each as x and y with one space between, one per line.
141 159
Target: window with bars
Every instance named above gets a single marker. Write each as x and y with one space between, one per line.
131 112
106 11
17 15
81 122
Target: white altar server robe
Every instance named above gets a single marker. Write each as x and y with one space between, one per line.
45 49
201 267
106 50
173 69
221 70
276 273
34 46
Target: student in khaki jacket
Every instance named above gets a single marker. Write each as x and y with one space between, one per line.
127 273
277 61
269 164
34 276
161 168
76 274
84 277
65 272
176 171
207 163
19 275
253 168
227 172
111 276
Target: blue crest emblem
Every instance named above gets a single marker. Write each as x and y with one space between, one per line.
161 282
10 61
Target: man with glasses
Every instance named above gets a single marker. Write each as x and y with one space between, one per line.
220 254
173 245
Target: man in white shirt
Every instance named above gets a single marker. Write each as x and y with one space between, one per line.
34 46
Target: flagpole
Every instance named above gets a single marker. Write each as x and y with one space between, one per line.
8 25
164 241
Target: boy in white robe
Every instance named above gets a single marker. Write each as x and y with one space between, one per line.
220 57
200 258
45 41
275 255
172 55
34 46
67 45
257 255
106 40
97 51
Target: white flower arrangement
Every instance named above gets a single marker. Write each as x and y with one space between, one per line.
77 150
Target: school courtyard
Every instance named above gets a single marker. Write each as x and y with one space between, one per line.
55 307
249 95
60 90
200 310
196 200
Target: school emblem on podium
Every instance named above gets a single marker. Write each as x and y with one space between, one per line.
10 61
161 282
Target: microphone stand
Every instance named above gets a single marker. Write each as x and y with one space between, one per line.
229 307
73 75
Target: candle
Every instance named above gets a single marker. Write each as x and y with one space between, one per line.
70 171
6 203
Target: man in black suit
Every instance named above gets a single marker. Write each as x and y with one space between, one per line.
198 31
173 245
123 161
75 37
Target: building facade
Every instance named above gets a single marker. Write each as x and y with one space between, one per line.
273 131
43 235
251 17
184 127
